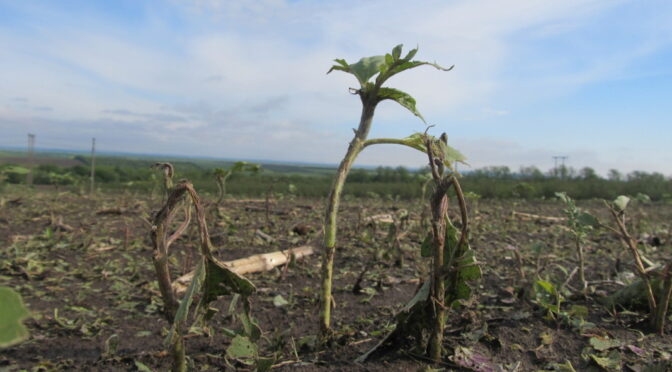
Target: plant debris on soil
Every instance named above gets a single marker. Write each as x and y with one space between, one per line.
83 265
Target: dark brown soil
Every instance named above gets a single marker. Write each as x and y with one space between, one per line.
88 280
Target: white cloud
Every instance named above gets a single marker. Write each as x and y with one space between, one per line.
236 75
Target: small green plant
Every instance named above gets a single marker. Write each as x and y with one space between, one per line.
371 73
12 314
580 223
221 175
548 297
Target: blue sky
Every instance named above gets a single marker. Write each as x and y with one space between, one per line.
589 79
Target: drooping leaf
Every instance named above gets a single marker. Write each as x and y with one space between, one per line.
450 155
402 98
621 202
219 280
12 314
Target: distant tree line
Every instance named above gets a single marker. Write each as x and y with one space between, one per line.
383 182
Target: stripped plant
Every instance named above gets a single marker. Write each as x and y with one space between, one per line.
168 172
370 93
658 303
221 175
420 324
211 279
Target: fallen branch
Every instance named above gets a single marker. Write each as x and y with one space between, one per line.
529 216
379 218
252 264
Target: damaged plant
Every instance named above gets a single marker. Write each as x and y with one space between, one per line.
652 281
580 223
420 324
221 175
371 92
211 279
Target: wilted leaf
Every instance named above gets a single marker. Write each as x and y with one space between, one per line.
611 362
602 343
12 314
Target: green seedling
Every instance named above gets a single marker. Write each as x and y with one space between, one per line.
660 302
221 175
548 297
371 73
580 223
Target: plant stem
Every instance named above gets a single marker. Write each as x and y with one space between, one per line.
664 303
330 220
582 275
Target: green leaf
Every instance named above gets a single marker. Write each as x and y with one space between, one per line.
563 196
403 66
411 54
396 52
142 367
400 97
366 68
342 66
427 248
450 155
621 203
279 301
12 314
587 219
241 348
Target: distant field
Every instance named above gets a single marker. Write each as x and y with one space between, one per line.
59 162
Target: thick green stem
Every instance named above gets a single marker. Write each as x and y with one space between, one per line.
330 221
179 355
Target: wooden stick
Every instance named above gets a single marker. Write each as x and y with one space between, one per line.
252 264
530 216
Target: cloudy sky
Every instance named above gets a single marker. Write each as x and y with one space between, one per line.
589 79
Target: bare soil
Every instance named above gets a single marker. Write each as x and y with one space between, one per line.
84 268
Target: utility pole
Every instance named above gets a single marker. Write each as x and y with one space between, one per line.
31 160
93 164
555 165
